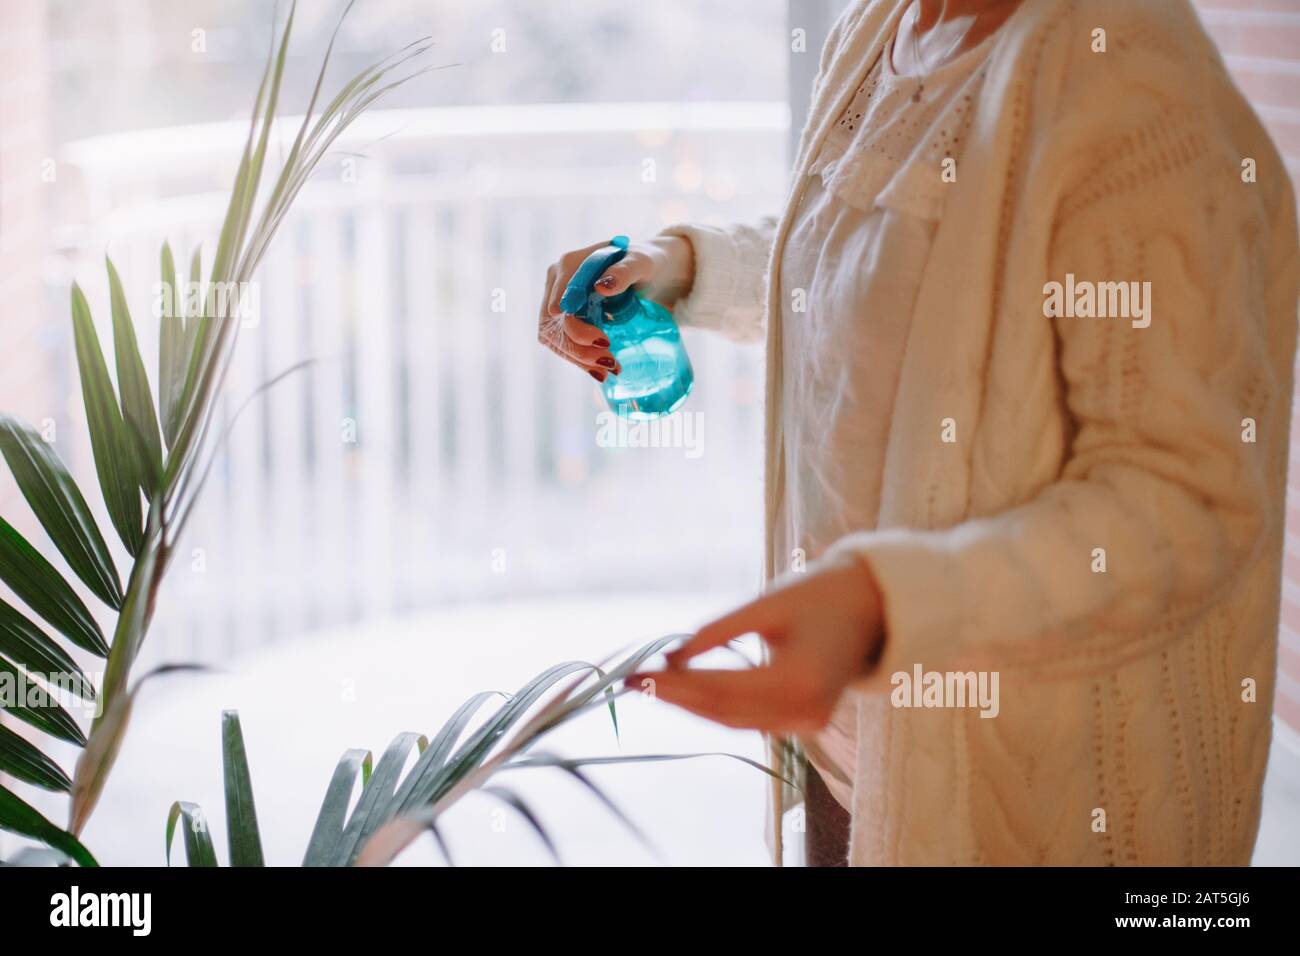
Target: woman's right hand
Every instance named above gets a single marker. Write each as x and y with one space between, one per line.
663 268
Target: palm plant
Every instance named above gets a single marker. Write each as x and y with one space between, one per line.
393 809
151 460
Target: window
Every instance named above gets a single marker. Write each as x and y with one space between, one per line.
434 478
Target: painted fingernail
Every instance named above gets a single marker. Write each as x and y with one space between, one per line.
601 343
605 281
606 361
598 376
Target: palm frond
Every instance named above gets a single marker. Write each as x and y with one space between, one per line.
23 643
44 713
17 816
43 589
57 503
21 760
118 468
393 810
137 401
162 451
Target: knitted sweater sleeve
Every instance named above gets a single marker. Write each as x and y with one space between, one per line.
728 294
1170 484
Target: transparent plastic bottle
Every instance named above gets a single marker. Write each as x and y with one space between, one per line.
656 374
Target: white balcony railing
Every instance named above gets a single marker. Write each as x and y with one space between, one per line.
434 452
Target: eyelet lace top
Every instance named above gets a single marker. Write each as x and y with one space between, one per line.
891 141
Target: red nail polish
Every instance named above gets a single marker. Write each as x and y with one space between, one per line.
605 361
601 343
596 375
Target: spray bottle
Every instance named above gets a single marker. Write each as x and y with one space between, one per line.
656 374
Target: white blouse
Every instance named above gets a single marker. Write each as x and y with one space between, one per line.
850 273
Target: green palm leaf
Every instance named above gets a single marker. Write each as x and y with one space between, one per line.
474 752
204 374
36 582
137 400
422 782
199 850
22 761
171 341
44 713
58 505
17 817
327 834
475 762
384 822
26 644
116 460
193 325
241 813
377 797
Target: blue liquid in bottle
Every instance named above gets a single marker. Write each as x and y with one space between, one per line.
656 374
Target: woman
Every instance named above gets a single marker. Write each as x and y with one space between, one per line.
1030 317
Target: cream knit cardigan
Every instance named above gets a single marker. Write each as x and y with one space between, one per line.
1128 731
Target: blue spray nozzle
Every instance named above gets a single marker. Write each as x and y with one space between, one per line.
654 372
578 293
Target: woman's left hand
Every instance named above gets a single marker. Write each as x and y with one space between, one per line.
822 629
